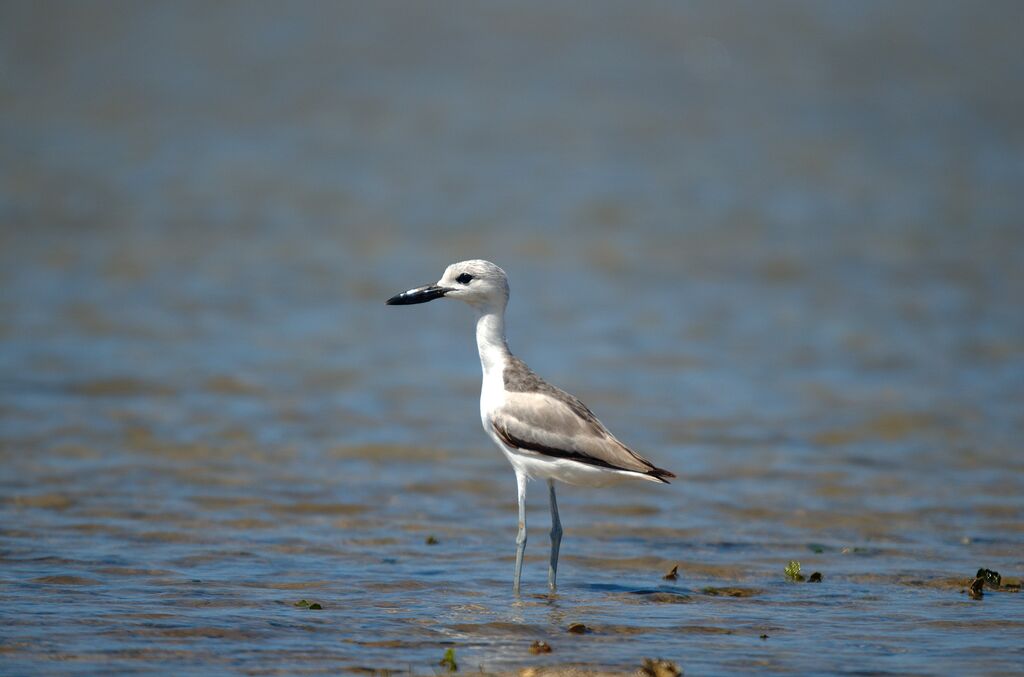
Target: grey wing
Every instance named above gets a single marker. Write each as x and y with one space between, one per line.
556 424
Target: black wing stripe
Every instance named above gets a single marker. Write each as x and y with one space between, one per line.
517 443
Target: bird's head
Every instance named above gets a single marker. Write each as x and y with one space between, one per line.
479 283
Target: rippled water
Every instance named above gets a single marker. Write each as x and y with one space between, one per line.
776 248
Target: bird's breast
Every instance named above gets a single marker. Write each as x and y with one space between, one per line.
492 396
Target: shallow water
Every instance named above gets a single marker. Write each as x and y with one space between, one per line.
777 250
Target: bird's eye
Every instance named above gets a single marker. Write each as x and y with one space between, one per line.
464 278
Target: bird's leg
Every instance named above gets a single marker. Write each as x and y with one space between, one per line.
521 535
556 537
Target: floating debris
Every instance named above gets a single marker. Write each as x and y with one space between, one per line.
792 571
977 589
816 548
578 628
658 667
993 578
815 577
764 636
540 647
432 540
986 576
448 661
673 574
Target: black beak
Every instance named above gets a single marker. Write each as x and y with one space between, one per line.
418 295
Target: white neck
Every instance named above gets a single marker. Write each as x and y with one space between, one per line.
490 341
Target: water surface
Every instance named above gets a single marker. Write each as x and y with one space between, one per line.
776 248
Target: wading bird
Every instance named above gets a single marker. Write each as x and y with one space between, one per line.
545 433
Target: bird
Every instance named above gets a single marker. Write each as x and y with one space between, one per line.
544 432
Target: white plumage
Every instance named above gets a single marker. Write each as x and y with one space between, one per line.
545 432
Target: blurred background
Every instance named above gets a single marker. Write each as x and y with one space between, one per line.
777 247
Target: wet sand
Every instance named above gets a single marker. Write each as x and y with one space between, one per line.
776 250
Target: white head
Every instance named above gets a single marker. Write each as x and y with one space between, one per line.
479 283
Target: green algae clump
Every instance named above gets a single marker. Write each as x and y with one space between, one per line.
448 661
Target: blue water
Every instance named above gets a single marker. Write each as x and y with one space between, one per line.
776 248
